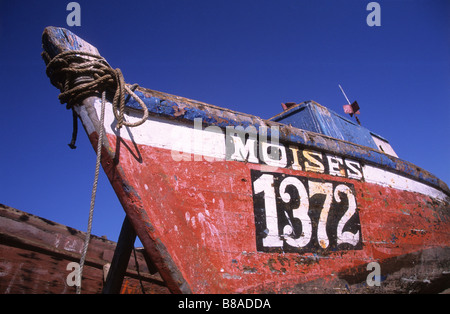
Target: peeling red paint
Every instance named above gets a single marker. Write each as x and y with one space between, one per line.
202 214
207 228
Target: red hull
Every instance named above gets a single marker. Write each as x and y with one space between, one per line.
220 209
199 217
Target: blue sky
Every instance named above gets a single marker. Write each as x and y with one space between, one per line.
247 55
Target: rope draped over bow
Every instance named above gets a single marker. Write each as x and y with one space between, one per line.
82 74
79 75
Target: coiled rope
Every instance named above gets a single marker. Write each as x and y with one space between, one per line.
79 75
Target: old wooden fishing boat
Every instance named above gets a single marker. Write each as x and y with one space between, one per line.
36 256
226 202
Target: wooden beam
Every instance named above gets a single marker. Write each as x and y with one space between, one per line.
120 259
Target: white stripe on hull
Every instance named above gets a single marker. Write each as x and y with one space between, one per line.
210 143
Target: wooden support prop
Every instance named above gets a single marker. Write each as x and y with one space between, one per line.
120 259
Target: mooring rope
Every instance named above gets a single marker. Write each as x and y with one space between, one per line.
79 75
94 191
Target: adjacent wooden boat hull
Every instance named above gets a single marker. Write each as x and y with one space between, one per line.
219 212
35 254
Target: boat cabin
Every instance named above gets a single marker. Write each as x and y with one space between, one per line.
311 116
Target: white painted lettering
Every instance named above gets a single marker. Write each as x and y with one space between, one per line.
268 157
336 166
346 237
243 152
265 184
327 190
301 212
295 164
354 170
312 163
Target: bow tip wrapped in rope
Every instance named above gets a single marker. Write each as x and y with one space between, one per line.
82 74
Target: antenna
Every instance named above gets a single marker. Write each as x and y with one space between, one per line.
344 94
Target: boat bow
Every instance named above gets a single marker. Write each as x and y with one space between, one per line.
228 202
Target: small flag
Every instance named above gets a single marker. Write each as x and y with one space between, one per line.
351 109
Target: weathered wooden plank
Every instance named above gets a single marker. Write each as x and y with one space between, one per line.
56 40
35 253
